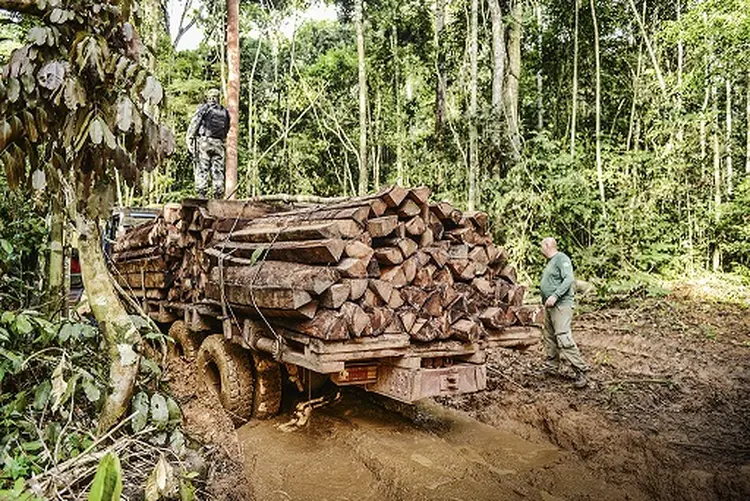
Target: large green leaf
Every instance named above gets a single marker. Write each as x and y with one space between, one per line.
107 484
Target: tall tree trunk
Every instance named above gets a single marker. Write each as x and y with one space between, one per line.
574 96
680 63
498 70
233 94
56 294
716 261
252 168
360 25
116 326
397 101
650 48
440 65
728 138
513 72
634 103
747 124
539 82
598 110
473 154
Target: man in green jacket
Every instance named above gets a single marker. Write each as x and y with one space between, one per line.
557 295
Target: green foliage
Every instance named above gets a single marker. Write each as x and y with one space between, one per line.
107 485
23 235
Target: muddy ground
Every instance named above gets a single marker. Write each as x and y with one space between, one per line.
665 417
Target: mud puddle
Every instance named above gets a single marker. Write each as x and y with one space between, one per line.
356 450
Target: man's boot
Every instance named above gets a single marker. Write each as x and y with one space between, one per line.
580 381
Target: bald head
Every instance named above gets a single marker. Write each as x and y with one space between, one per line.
549 247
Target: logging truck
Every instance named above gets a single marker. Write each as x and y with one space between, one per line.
391 292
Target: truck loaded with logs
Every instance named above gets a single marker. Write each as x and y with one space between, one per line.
391 292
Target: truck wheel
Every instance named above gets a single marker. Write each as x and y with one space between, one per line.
227 369
267 400
186 342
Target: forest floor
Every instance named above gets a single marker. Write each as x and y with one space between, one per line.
666 416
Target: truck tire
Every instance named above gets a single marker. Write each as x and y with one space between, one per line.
267 399
227 370
186 342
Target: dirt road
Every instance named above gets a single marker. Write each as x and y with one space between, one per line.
356 450
666 417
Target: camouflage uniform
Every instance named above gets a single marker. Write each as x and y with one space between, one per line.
210 164
208 152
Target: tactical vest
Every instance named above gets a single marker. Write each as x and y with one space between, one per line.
215 122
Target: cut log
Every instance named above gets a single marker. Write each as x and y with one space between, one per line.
147 280
414 297
356 318
443 277
382 289
382 226
396 301
457 266
423 277
433 305
407 246
501 291
465 330
357 213
407 319
389 256
357 287
480 220
460 251
409 269
421 195
442 210
496 318
528 315
508 273
484 286
409 208
136 254
515 295
154 263
427 238
259 297
313 279
371 300
438 256
358 250
393 196
335 296
479 255
328 325
310 252
449 296
415 226
424 330
230 209
353 268
373 268
272 233
394 275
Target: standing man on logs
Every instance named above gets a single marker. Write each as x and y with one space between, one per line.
205 139
556 287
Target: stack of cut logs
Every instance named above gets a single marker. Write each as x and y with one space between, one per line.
146 258
388 263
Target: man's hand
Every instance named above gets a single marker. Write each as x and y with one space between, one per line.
550 302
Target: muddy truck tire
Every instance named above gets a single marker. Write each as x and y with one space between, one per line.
186 342
268 383
227 369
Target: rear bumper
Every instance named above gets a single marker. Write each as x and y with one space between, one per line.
410 385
